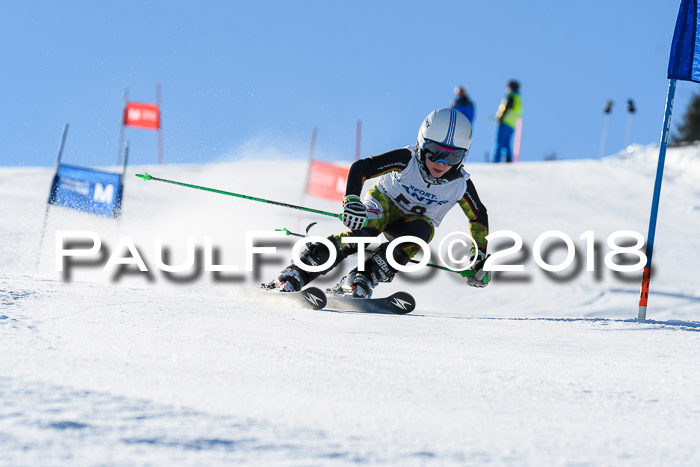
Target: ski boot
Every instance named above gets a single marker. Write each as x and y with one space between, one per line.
289 280
361 284
356 284
293 278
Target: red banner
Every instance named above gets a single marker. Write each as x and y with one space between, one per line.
141 115
327 180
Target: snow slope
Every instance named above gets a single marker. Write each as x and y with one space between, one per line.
533 370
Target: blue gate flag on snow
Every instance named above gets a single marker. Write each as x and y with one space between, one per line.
684 65
89 190
684 62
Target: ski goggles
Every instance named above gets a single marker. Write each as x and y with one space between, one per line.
438 153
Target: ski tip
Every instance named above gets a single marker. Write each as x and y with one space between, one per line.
145 176
315 296
402 303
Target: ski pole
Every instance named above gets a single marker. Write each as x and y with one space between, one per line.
466 273
146 176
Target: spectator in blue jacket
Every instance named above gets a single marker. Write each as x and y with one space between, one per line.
462 103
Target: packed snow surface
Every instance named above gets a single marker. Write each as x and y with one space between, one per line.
125 367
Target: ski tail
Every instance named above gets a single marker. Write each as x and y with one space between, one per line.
311 297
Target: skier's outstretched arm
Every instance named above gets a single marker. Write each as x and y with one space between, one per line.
479 229
374 166
478 217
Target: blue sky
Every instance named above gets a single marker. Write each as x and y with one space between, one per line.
262 74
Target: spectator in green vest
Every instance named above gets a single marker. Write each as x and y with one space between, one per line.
508 113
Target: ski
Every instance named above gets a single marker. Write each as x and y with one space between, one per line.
311 297
399 303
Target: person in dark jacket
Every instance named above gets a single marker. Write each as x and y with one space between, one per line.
462 103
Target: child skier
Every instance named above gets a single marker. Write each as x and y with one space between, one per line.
417 186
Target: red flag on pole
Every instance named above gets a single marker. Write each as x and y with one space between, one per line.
327 180
140 115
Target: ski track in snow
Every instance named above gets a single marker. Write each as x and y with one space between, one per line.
533 371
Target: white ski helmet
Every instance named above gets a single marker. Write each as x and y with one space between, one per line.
446 136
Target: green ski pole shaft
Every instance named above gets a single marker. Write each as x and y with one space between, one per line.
147 177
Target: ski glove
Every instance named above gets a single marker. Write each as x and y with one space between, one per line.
475 275
354 212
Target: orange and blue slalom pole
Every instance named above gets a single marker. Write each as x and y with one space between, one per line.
646 276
